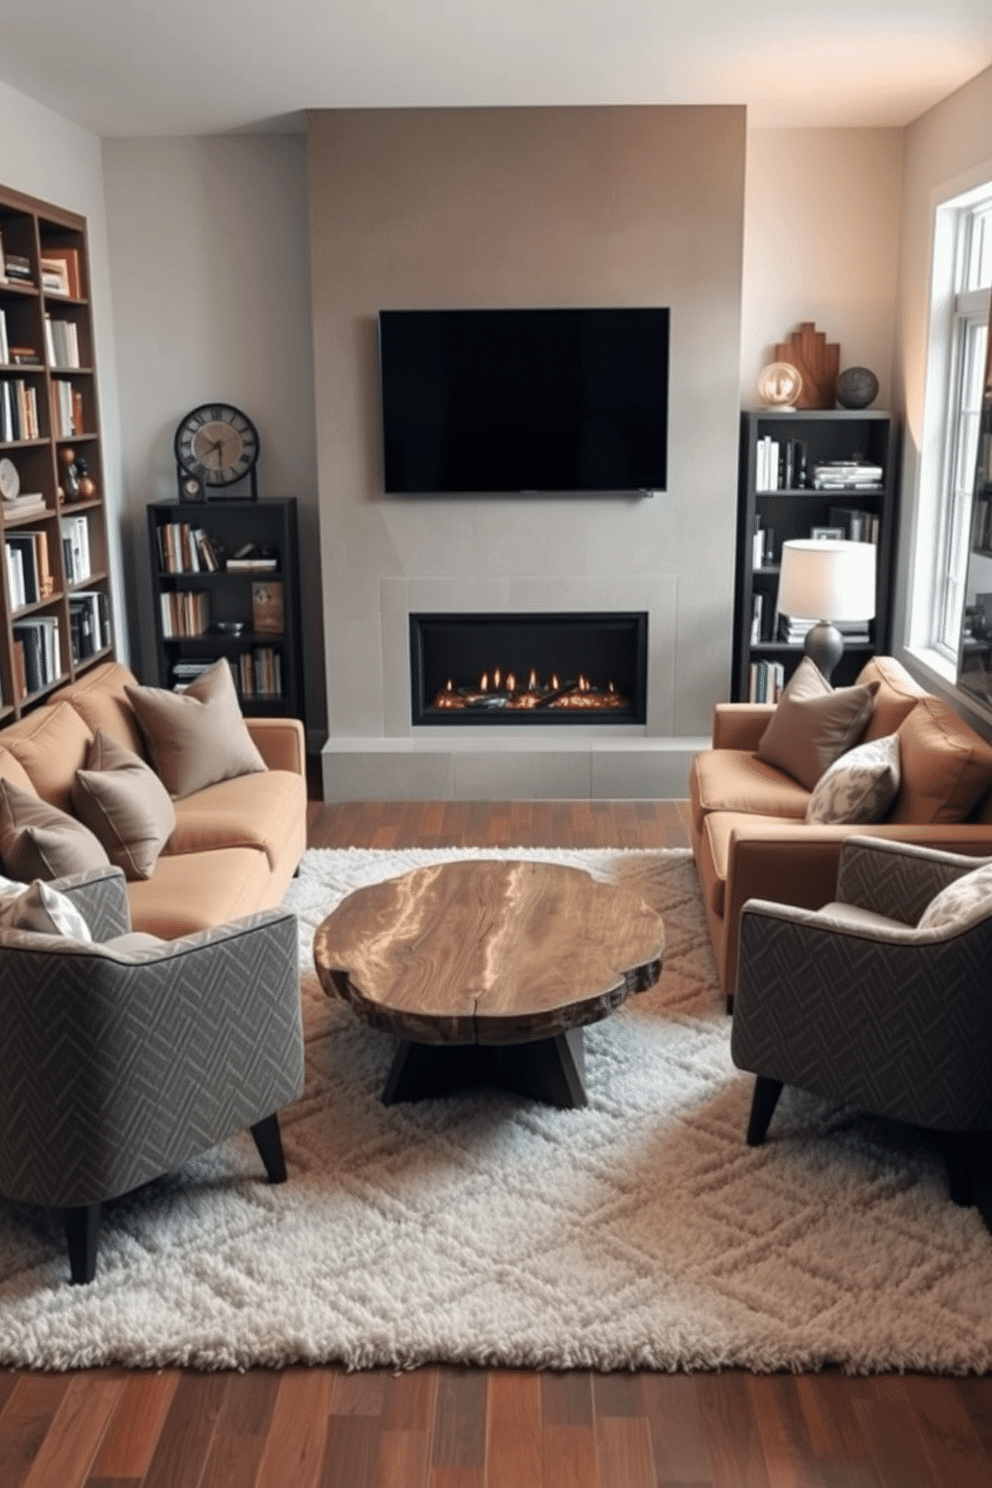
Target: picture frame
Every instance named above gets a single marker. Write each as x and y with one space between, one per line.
826 533
267 607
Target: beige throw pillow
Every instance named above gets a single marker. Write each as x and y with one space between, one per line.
125 805
810 728
40 841
196 737
858 787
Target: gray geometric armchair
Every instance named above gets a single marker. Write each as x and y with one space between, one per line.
117 1063
856 1003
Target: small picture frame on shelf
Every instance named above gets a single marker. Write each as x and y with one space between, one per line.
267 608
836 533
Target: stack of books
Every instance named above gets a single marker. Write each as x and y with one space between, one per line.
847 475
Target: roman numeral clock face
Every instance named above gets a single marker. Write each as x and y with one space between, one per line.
217 444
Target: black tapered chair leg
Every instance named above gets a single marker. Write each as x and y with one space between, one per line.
763 1103
82 1226
269 1144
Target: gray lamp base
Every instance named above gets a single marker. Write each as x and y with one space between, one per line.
824 645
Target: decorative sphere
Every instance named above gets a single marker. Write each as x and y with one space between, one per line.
780 384
857 387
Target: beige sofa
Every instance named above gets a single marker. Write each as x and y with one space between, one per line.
236 844
749 834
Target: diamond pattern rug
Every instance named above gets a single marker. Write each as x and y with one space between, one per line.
639 1232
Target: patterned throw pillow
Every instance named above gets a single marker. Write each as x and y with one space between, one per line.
964 902
858 787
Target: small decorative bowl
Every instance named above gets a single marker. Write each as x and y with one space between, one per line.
229 627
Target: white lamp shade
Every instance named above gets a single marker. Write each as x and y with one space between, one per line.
826 579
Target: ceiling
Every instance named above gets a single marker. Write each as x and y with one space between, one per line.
173 67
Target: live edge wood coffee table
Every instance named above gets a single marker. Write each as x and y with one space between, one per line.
487 971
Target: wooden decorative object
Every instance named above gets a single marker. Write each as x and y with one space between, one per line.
491 954
818 362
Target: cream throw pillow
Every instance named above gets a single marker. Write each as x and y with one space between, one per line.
41 908
40 841
196 737
858 787
964 902
125 805
814 724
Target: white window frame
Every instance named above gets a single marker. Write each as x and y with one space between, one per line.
964 329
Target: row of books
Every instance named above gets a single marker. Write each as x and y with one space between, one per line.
61 342
183 548
89 622
67 409
18 410
781 465
76 549
257 673
29 575
766 679
847 475
856 525
185 612
41 653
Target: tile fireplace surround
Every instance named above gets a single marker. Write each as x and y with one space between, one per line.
600 761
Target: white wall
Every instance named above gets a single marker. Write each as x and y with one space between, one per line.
209 256
821 243
48 157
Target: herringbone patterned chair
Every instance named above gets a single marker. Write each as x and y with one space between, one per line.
854 1003
117 1064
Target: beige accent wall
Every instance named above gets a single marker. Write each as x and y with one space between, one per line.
821 243
521 207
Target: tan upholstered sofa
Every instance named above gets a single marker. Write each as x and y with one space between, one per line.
749 834
236 843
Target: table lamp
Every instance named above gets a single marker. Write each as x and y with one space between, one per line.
826 580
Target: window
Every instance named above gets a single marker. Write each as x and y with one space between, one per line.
968 331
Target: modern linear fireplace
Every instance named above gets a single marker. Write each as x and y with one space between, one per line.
525 669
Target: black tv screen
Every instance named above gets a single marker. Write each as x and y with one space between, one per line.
524 401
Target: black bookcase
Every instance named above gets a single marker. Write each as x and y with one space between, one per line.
248 614
793 509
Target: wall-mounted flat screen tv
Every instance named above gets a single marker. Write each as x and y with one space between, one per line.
524 401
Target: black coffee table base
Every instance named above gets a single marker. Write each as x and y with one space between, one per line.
550 1070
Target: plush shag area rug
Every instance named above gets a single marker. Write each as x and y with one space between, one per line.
640 1232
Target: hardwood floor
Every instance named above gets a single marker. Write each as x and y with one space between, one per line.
465 1428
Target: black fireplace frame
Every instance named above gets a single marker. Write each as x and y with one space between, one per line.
631 679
